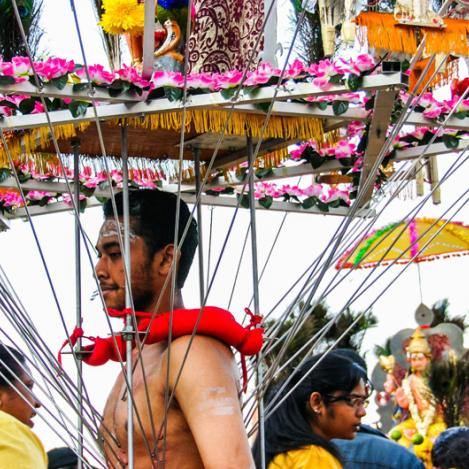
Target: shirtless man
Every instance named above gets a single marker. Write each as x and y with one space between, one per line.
205 427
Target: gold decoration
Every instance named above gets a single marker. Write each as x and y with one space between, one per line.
419 344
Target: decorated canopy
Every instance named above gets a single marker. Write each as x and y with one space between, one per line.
416 240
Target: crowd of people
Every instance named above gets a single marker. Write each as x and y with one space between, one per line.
315 414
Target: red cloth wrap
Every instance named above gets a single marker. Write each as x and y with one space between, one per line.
214 322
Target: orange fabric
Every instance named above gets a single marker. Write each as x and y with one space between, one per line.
384 32
416 73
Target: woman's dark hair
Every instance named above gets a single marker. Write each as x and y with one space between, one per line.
10 369
153 216
289 427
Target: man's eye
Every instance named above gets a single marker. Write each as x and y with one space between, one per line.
114 255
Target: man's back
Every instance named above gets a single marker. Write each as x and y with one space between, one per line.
371 449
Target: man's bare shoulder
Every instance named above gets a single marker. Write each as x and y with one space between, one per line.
200 347
201 356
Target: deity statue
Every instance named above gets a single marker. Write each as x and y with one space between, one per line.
167 33
419 414
417 13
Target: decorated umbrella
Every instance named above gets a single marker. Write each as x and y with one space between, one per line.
422 236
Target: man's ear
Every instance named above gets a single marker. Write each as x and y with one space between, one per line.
165 259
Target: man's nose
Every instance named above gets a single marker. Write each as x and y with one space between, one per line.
100 268
361 411
36 403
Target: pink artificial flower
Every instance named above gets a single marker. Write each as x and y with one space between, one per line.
295 70
357 166
227 80
97 73
11 199
262 75
68 200
327 151
463 106
199 81
314 190
293 191
355 128
325 68
162 78
362 63
101 176
344 149
6 111
336 194
16 98
426 100
433 112
322 83
18 67
131 75
146 184
116 176
38 195
38 108
297 153
419 132
54 68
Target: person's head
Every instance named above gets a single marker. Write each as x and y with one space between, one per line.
419 362
451 449
62 458
16 386
327 402
352 355
152 228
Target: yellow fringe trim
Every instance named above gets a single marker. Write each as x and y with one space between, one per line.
208 120
385 33
200 121
23 147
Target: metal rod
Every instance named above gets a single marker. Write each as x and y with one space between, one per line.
255 287
148 38
76 181
198 179
128 295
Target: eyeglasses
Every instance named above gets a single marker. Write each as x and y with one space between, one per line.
350 399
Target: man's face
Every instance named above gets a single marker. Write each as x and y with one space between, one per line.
19 401
110 269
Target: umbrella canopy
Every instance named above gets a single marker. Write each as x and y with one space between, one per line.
421 238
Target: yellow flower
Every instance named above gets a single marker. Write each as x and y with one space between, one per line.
122 16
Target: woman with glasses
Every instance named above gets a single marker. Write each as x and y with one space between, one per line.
325 398
20 448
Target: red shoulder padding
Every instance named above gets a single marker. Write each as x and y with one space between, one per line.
213 322
103 350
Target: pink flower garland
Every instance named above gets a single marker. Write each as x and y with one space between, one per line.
414 247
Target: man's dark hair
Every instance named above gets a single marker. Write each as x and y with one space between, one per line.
451 449
10 369
62 458
153 217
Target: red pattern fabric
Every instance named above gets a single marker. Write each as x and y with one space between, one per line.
224 34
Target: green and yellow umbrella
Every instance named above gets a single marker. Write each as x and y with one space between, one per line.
423 239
